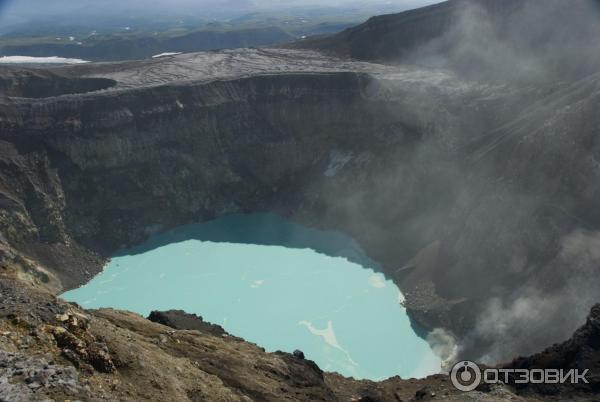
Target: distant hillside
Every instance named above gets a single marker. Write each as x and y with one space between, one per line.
386 37
144 47
394 36
478 35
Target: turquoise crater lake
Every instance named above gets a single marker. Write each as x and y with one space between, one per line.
277 284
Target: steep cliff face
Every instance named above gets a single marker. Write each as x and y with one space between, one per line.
143 157
132 162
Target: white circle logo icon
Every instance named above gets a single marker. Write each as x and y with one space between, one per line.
465 376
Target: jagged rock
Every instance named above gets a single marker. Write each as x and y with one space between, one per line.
581 351
21 375
99 357
422 394
81 351
62 317
65 339
179 319
298 354
368 398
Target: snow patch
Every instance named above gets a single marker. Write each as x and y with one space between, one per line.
39 60
156 56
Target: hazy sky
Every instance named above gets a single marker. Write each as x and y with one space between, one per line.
29 7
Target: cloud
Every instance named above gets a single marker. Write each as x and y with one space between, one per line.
492 159
517 39
538 315
444 345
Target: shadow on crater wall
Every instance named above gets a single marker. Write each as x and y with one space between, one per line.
44 84
264 229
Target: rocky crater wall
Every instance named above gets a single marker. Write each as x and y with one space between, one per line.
448 184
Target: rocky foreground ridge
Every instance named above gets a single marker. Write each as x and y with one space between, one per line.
53 350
